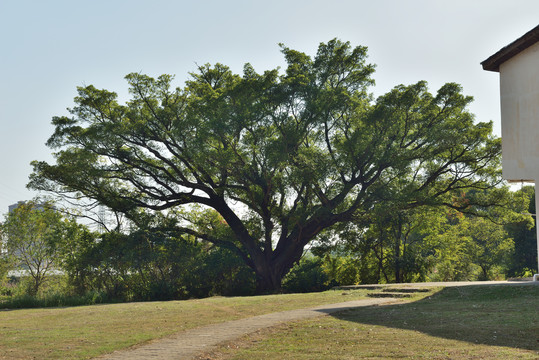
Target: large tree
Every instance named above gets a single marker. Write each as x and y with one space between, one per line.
280 156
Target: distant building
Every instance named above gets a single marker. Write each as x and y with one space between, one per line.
14 206
19 203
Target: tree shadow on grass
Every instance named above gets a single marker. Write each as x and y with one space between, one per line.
498 315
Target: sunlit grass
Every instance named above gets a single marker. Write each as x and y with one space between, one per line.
88 331
475 322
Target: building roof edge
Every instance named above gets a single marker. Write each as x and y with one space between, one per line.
493 62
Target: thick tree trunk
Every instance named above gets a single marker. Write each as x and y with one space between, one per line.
268 283
271 270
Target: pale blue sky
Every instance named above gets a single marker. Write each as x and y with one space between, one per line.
48 48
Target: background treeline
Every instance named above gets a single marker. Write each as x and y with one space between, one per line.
50 259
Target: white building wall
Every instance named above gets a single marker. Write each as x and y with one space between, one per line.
519 90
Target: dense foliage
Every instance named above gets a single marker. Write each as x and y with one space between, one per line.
280 156
155 266
524 258
69 260
426 245
29 231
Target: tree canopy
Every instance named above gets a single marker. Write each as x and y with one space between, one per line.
29 231
278 156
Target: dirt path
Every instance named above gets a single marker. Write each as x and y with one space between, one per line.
188 344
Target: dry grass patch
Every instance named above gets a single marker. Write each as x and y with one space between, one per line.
88 331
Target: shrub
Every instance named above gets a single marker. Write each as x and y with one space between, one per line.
306 276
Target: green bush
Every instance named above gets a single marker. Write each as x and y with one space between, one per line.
153 265
341 270
54 300
306 276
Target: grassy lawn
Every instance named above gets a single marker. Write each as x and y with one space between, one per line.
88 331
474 322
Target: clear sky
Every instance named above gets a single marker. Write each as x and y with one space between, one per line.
48 48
